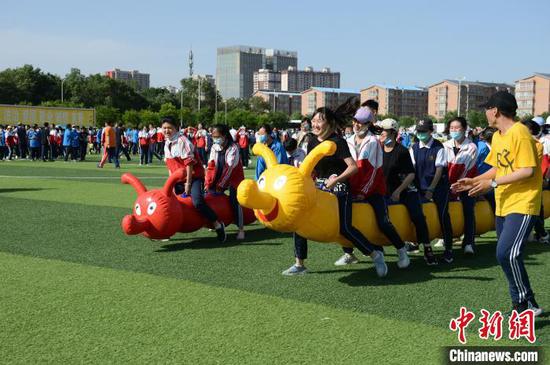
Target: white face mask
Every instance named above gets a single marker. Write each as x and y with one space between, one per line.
362 133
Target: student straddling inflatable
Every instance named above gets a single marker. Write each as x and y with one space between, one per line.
286 199
160 213
225 171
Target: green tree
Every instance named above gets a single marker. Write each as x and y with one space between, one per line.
157 96
448 116
168 110
209 95
187 116
28 84
386 116
476 118
147 116
220 117
238 117
296 116
258 104
204 116
278 119
58 103
406 121
237 103
131 118
106 114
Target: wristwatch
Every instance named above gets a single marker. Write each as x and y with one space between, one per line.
494 184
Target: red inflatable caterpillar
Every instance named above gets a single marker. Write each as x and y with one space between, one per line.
159 214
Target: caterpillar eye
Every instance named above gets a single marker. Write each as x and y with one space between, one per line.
151 208
261 183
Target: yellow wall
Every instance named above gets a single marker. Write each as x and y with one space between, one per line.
14 114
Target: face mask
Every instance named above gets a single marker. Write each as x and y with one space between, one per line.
388 141
456 135
218 141
262 138
349 135
423 137
362 133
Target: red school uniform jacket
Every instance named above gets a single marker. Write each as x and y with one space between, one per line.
242 138
463 164
231 172
369 157
200 138
179 153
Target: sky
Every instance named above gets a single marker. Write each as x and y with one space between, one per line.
396 42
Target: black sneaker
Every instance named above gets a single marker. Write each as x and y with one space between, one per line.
429 256
412 247
448 256
220 232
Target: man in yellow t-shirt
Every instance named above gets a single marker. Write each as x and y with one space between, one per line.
516 177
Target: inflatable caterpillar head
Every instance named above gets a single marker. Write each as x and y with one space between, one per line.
157 213
283 194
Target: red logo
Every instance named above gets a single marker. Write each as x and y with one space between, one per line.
522 325
459 324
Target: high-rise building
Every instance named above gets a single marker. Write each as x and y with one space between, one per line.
444 96
282 101
236 66
132 78
533 94
265 79
295 80
398 100
279 60
317 97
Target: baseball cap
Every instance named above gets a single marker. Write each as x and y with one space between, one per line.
363 115
389 123
424 125
538 120
502 100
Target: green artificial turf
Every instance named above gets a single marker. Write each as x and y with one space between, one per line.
393 320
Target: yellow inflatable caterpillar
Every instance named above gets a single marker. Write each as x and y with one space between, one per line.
285 199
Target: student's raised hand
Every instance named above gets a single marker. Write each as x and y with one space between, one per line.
480 187
463 185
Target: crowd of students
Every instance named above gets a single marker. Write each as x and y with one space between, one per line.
505 163
375 161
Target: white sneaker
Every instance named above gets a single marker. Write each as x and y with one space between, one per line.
469 249
379 264
439 244
346 259
240 235
404 260
544 239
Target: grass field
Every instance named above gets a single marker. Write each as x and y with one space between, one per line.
75 289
